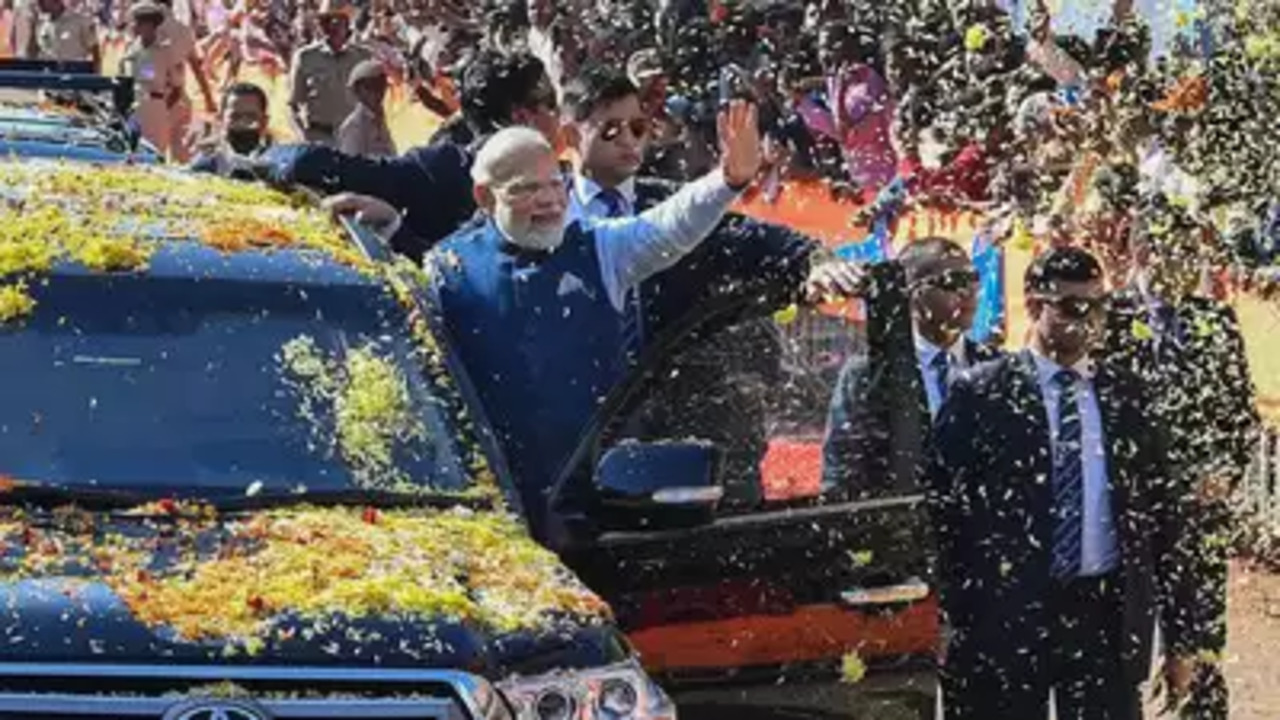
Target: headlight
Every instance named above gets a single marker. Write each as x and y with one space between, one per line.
617 692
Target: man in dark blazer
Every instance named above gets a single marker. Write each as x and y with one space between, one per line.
884 401
1189 351
1056 519
430 185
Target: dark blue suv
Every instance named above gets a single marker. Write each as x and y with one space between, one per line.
239 478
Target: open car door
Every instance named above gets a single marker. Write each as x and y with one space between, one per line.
706 525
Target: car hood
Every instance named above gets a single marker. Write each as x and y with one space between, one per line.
417 588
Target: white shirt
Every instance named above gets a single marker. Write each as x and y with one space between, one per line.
632 249
585 202
1100 549
925 353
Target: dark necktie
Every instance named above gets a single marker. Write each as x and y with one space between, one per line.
632 336
615 204
941 365
1170 326
1068 479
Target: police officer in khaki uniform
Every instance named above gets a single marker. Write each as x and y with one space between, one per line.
365 130
22 36
178 41
66 34
319 100
155 84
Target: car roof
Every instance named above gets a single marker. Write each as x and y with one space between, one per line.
204 227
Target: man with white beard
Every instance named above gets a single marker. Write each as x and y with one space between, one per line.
542 310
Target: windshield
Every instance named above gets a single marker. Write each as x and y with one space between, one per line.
207 387
80 119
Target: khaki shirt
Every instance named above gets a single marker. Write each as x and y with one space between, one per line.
151 72
318 83
70 36
366 133
178 41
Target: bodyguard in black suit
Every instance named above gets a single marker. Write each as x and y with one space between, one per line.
885 400
1056 519
1190 353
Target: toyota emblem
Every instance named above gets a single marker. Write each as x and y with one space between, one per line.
216 710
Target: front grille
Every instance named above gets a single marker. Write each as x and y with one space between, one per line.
88 692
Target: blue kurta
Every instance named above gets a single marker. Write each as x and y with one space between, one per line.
540 340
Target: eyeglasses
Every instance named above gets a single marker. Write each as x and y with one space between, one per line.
525 190
638 127
952 281
1072 307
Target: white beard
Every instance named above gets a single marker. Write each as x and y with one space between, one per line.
544 238
547 239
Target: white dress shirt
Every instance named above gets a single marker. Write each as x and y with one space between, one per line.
1100 549
925 353
632 249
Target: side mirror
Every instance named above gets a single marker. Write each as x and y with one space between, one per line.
658 486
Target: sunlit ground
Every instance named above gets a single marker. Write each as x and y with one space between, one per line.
1253 652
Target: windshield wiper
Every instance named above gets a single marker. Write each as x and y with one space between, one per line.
96 498
384 499
84 496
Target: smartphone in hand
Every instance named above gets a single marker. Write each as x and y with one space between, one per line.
734 85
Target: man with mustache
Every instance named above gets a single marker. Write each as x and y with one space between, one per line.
543 310
885 401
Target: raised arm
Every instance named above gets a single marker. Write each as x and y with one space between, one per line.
634 249
1046 54
430 186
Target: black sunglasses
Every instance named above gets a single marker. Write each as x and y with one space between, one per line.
639 129
1073 308
952 281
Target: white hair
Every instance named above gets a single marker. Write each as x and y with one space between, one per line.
504 152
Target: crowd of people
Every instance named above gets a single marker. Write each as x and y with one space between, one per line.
574 204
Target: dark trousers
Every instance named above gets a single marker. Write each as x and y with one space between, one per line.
1083 666
1086 667
1209 537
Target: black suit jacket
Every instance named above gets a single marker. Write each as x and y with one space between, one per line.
990 498
1204 397
1203 389
878 423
